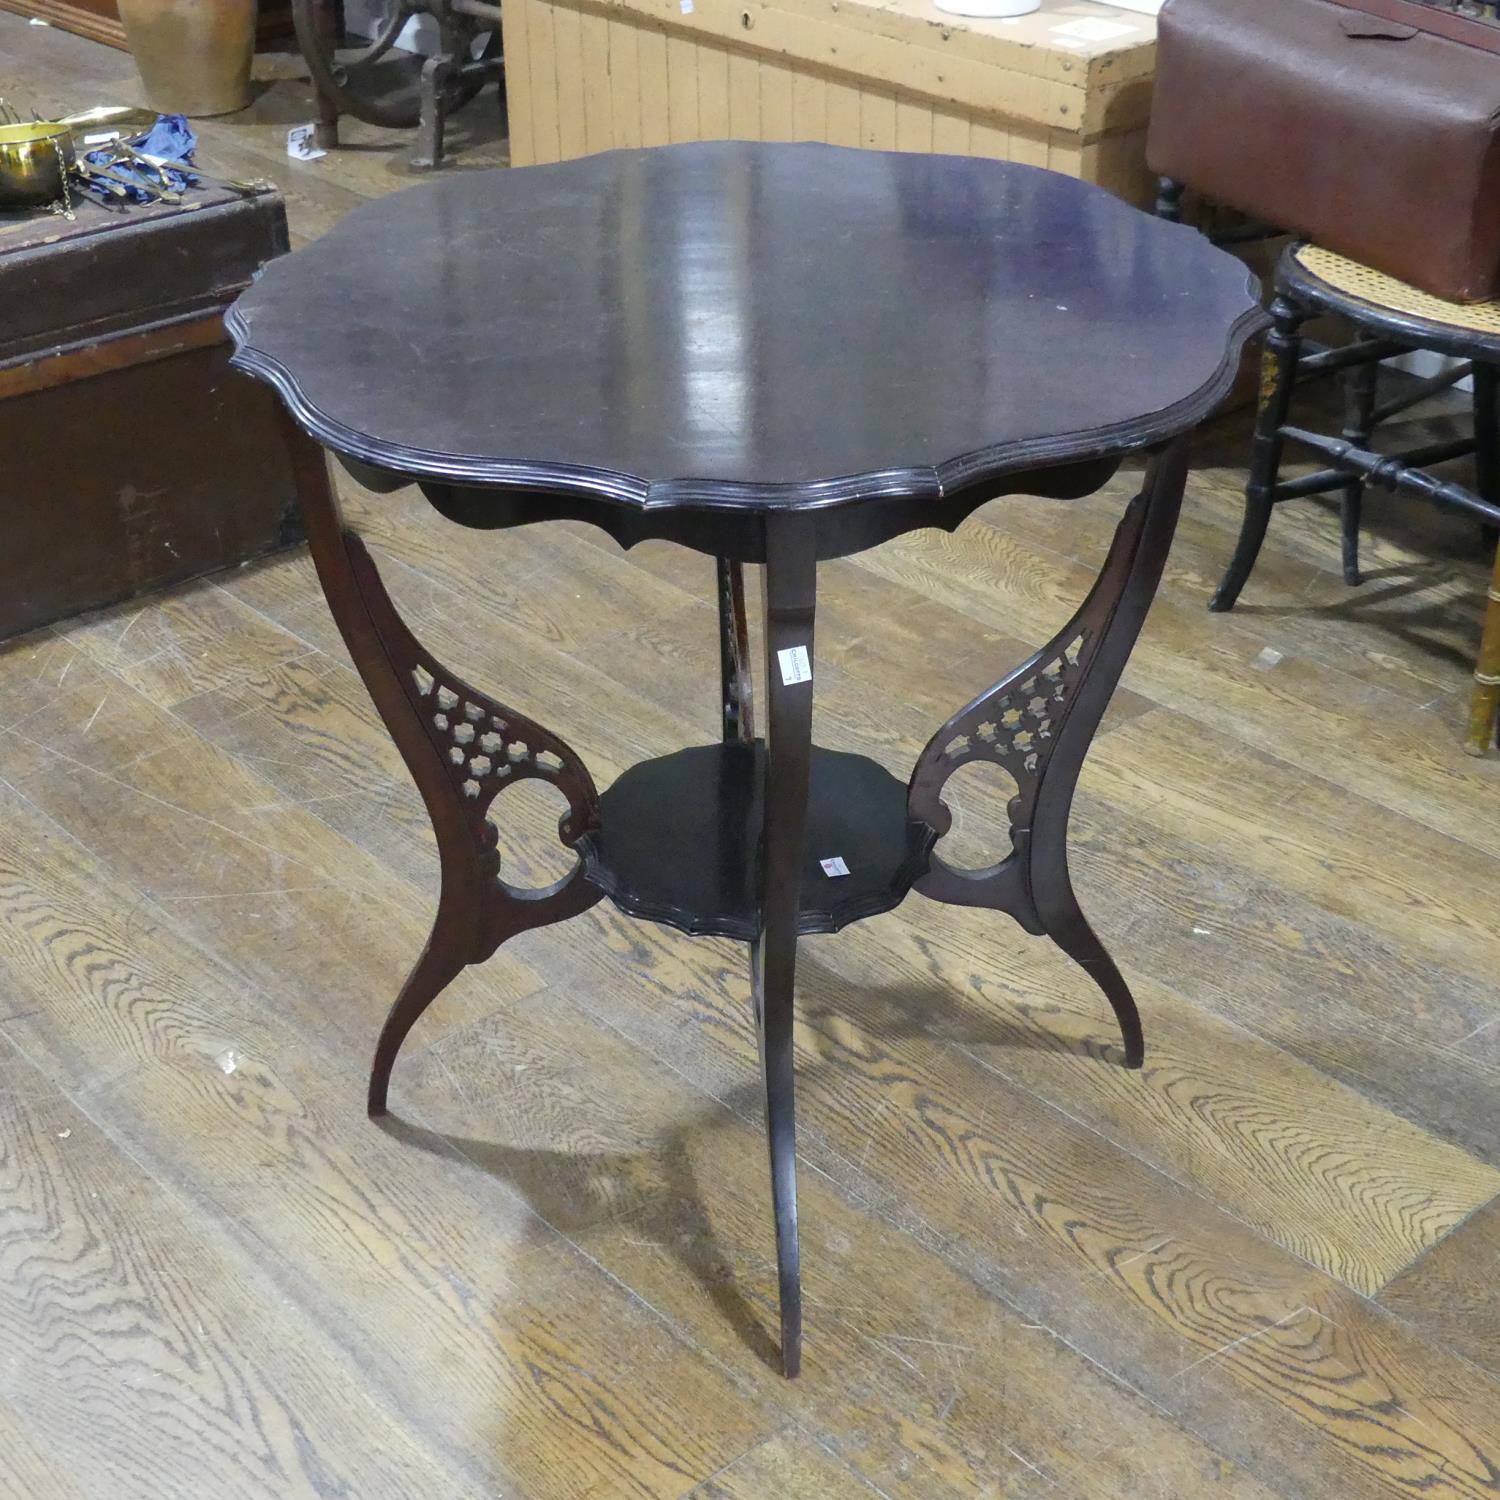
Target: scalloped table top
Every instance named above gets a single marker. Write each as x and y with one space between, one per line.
745 324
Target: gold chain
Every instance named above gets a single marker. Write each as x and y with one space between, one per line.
64 171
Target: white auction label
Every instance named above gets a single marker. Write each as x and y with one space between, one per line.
300 145
834 866
795 667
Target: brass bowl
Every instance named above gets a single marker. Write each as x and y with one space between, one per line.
33 158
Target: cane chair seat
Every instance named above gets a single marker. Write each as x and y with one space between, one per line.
1366 284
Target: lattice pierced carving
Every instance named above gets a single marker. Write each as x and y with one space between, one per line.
462 749
486 747
1015 724
477 742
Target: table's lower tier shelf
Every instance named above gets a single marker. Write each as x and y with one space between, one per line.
678 840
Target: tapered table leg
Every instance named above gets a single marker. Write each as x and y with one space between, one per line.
463 750
734 653
790 589
1037 723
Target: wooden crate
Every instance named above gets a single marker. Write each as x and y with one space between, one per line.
1067 87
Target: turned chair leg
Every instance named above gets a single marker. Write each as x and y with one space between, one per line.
326 110
326 121
1278 376
790 588
1360 386
432 125
1485 703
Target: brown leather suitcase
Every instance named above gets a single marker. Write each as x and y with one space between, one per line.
1367 134
133 456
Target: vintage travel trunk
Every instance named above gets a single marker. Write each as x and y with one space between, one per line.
1358 124
132 456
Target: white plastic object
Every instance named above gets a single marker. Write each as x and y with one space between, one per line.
989 9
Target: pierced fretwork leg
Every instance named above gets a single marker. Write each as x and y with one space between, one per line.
734 653
462 749
791 584
439 965
1037 723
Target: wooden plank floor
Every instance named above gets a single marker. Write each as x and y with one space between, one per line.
1266 1266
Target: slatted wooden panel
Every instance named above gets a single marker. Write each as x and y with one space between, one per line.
591 76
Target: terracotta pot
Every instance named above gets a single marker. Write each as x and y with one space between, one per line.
193 55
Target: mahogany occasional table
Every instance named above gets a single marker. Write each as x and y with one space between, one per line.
772 354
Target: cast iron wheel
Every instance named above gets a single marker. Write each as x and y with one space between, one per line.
371 81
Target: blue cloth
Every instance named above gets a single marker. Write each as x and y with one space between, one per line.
171 137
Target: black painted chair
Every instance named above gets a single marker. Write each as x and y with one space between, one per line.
1390 318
